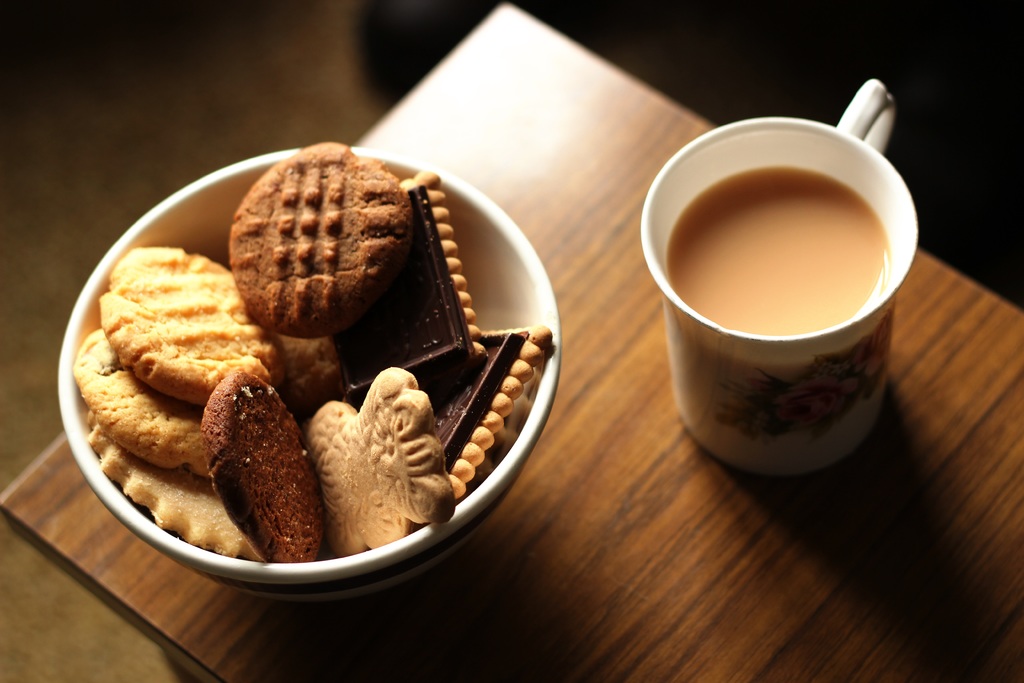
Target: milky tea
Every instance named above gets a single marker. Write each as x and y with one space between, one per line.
778 251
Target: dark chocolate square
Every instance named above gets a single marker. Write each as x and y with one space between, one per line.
418 324
456 417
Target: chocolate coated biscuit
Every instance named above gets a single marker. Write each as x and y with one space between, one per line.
260 469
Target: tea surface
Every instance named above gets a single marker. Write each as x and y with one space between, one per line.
778 251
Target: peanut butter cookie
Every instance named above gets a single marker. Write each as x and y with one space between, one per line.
318 238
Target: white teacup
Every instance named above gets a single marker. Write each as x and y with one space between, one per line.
784 405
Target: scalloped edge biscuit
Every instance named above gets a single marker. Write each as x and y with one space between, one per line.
179 502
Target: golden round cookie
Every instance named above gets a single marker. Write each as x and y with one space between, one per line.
318 238
177 321
159 429
312 374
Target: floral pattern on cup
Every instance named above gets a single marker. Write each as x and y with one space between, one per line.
766 406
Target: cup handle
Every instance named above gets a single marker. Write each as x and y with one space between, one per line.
870 115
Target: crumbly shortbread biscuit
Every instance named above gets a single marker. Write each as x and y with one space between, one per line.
312 374
381 468
442 217
318 238
260 469
180 502
161 430
471 463
177 321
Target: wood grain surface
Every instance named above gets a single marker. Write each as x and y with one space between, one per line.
624 552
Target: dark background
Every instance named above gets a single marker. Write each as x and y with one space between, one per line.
954 69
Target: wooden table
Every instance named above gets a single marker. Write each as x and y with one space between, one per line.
624 552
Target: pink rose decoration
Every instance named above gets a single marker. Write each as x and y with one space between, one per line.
814 399
765 405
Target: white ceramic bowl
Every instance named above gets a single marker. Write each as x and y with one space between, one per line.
510 288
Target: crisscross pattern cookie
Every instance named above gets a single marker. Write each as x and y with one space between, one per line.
318 238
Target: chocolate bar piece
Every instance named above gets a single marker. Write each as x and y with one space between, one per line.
457 417
418 324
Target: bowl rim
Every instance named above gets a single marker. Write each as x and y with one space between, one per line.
480 501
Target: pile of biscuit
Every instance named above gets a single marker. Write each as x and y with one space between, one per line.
327 393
